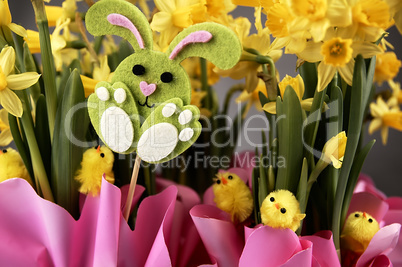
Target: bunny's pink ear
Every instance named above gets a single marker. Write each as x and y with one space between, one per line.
122 21
194 37
212 41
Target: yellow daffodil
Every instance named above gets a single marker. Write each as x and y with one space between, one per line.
370 18
58 43
56 14
175 15
387 67
260 42
395 8
5 133
8 99
297 85
100 73
334 150
396 91
316 16
254 3
252 98
336 54
385 115
5 20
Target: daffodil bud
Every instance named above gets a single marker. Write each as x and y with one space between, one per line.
334 149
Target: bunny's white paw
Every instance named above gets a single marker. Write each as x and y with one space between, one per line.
168 131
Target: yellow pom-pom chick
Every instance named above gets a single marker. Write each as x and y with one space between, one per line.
95 162
359 229
12 166
280 209
233 196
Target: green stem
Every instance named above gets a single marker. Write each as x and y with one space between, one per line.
321 165
41 178
232 90
49 72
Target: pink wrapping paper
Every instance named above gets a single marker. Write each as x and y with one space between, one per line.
46 235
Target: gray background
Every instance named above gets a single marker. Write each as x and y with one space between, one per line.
384 163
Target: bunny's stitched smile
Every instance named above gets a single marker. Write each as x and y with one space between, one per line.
145 103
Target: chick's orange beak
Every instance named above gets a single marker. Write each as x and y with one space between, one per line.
365 215
277 205
98 149
224 181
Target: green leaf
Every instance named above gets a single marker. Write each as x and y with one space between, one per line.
30 66
354 176
42 133
49 73
308 71
310 125
290 140
302 189
22 146
66 155
262 183
254 182
353 135
334 126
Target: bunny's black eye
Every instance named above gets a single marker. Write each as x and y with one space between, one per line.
166 77
139 70
230 177
102 155
272 199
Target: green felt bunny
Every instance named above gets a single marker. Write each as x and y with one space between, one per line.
146 108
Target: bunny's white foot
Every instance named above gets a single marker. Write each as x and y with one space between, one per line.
109 110
168 131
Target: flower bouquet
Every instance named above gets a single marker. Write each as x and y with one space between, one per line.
120 153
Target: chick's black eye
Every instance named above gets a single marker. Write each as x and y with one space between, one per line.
272 199
139 70
218 181
166 77
283 210
4 150
370 220
230 177
357 215
102 155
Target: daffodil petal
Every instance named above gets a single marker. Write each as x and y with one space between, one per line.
4 116
325 75
335 162
10 102
375 125
22 81
311 52
346 72
366 49
307 103
5 137
17 29
166 6
7 60
270 107
161 21
243 96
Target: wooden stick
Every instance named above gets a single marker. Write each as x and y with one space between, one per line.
133 183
